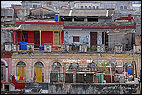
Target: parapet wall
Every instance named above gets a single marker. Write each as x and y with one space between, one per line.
93 88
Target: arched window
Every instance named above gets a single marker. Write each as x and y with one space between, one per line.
38 72
2 71
56 67
121 7
125 7
21 69
73 67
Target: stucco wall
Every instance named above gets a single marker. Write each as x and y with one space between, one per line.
84 37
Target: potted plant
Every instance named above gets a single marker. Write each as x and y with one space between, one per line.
19 52
94 48
12 51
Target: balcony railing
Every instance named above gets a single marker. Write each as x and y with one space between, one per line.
71 48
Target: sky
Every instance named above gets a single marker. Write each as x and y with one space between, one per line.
8 3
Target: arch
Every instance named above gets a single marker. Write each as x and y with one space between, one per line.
21 63
5 69
73 67
56 67
57 71
4 62
39 64
21 71
39 72
121 7
125 7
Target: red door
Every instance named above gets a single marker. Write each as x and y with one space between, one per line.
36 39
93 38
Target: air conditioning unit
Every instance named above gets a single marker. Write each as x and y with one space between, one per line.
47 47
118 48
30 46
101 48
7 46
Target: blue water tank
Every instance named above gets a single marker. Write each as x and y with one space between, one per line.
23 45
130 71
56 17
41 48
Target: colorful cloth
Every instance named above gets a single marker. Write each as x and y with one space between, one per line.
21 78
18 77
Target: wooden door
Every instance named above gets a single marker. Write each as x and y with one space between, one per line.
36 39
39 74
21 72
93 38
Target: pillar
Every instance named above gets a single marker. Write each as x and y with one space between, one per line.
99 38
72 19
40 37
14 37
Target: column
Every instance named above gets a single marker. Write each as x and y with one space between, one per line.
99 38
40 37
14 37
72 19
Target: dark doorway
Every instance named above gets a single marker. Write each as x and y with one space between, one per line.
36 39
25 36
106 39
93 38
6 87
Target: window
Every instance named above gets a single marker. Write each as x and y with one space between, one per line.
78 18
125 7
56 67
97 7
75 38
92 19
85 7
66 18
81 7
73 67
93 7
121 7
89 7
34 6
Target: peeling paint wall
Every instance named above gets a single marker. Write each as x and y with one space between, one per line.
6 37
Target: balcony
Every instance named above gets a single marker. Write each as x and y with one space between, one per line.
70 48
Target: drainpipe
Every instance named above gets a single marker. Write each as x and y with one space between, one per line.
40 37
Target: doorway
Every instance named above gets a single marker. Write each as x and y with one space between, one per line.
36 39
93 38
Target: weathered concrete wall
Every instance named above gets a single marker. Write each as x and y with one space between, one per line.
6 36
49 58
93 88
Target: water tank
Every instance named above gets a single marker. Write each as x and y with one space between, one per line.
56 17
